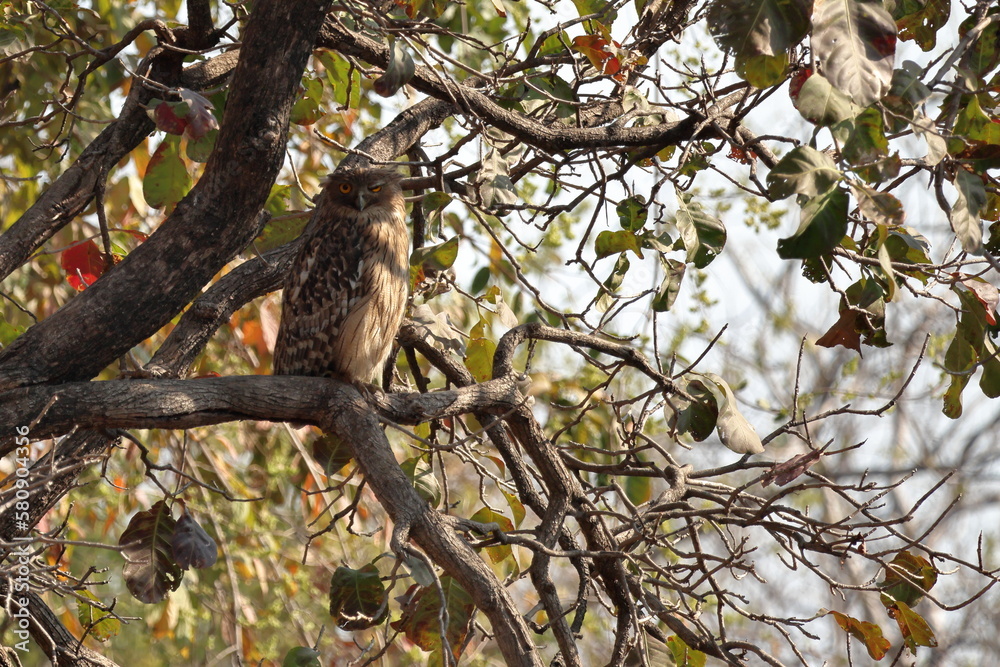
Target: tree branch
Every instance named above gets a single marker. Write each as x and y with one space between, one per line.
552 138
55 410
208 227
337 408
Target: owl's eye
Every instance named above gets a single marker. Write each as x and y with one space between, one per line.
346 188
375 188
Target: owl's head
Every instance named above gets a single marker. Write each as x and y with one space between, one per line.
363 188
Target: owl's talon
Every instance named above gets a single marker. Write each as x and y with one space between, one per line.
370 392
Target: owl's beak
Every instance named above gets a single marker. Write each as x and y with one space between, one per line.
360 201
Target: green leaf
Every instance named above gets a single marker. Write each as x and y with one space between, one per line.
99 624
866 141
703 235
855 42
822 104
501 551
306 110
670 287
200 149
556 43
166 181
8 330
604 10
905 245
332 453
632 213
301 656
694 418
610 243
822 227
973 123
984 51
748 28
612 283
278 232
907 92
915 629
516 507
966 212
479 353
908 577
439 257
937 146
434 202
684 655
971 344
989 381
480 280
638 489
398 72
885 262
495 186
920 20
804 171
958 351
763 71
879 207
358 599
421 620
734 430
423 479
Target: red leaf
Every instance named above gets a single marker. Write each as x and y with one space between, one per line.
742 156
986 294
167 119
795 85
867 633
200 118
598 52
84 264
885 44
139 236
844 332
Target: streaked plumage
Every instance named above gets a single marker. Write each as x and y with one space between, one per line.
346 293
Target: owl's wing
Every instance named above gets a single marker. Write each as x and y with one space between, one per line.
323 285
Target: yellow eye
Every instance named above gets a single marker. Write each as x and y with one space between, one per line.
346 188
375 188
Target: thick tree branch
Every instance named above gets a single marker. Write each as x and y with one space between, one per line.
251 279
551 138
74 189
337 408
55 410
403 132
207 228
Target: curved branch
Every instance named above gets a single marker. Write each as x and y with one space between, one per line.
74 189
251 279
337 408
504 357
207 228
55 410
551 138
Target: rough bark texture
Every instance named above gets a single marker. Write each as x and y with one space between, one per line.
207 229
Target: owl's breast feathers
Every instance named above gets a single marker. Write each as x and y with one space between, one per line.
345 295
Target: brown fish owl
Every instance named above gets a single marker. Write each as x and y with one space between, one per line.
346 292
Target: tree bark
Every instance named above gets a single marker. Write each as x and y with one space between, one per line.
208 228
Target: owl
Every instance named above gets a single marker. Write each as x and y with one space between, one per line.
345 295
